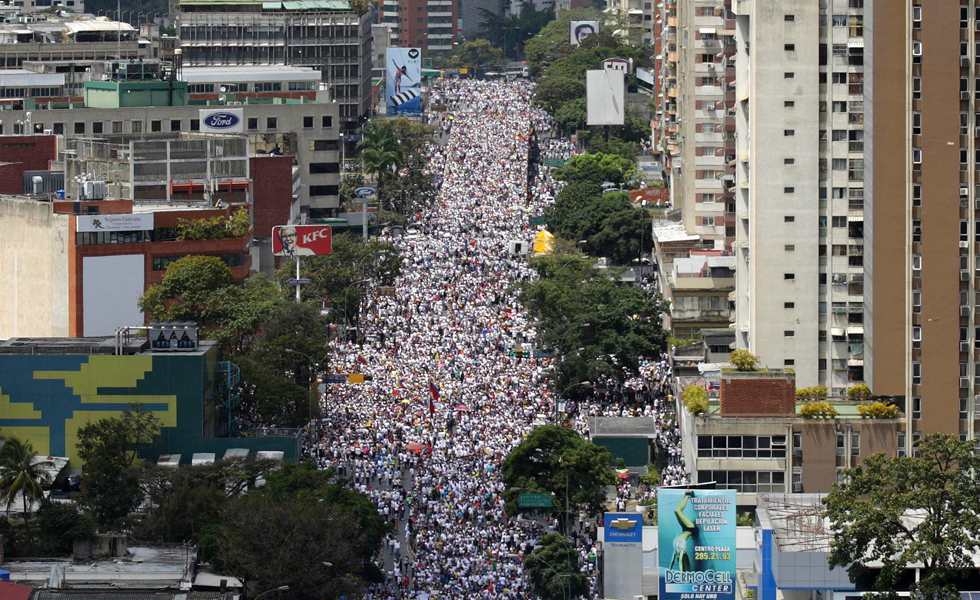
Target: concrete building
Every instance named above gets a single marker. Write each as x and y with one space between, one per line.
697 127
427 24
799 187
922 293
697 288
469 12
324 34
75 40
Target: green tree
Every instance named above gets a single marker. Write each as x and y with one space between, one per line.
554 92
552 42
554 569
597 168
382 153
110 482
21 474
623 237
558 461
743 360
871 515
475 54
59 525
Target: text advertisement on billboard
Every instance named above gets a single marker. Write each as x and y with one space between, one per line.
224 120
123 222
579 30
302 240
696 544
403 81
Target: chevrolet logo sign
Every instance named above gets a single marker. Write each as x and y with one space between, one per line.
622 524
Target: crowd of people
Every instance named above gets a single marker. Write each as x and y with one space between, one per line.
448 402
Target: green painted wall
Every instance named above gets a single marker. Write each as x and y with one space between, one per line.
123 94
46 399
634 451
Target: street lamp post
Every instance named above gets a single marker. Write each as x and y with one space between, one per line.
314 367
562 393
281 588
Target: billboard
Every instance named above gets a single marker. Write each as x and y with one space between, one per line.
403 81
579 30
222 120
125 222
696 544
302 240
605 94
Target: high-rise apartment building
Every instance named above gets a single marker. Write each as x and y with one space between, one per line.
699 129
923 230
324 34
799 187
427 24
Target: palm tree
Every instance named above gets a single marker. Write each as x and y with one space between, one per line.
21 473
382 154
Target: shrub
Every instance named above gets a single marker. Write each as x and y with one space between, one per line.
878 410
817 391
695 399
818 409
860 390
744 520
743 360
215 228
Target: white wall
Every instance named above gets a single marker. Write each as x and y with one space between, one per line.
111 287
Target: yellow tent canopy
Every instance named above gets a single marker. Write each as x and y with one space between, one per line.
544 242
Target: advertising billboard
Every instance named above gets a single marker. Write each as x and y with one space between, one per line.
579 30
222 120
403 81
124 222
696 544
605 95
302 240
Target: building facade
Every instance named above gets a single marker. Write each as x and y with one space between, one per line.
427 24
923 228
799 183
324 34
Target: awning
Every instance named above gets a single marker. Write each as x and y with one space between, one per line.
855 362
855 330
707 30
855 44
856 217
836 331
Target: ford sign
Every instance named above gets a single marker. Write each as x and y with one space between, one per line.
221 120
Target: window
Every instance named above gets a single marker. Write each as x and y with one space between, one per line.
80 128
789 248
174 124
789 161
156 126
900 443
136 126
789 75
271 123
324 190
789 104
839 222
788 219
789 304
789 18
917 49
917 123
789 333
307 122
917 230
839 135
916 194
324 145
268 86
916 378
97 127
916 401
741 446
788 362
917 16
855 443
789 276
326 122
195 124
789 47
708 198
839 21
253 123
117 127
840 106
916 156
788 190
916 262
840 443
789 132
916 88
318 168
916 301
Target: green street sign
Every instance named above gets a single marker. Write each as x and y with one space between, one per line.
537 221
534 501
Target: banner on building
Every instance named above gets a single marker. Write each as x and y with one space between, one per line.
302 240
579 30
403 81
93 223
222 120
696 544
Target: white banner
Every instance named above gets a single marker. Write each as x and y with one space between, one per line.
223 120
92 223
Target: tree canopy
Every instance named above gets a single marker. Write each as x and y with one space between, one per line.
554 569
511 33
910 509
557 460
475 54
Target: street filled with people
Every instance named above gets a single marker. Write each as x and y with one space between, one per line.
448 400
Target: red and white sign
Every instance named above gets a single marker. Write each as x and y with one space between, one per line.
302 240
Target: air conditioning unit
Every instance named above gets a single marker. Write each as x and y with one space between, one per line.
964 383
95 190
964 276
964 346
964 61
964 95
964 311
964 192
964 244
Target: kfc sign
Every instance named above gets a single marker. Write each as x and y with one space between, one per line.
302 240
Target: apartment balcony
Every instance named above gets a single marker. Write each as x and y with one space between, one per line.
709 161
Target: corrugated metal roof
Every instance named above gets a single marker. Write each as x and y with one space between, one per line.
316 5
77 26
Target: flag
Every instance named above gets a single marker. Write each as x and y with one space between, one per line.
434 392
361 359
714 385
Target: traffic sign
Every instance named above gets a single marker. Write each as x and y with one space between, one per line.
300 281
534 501
365 192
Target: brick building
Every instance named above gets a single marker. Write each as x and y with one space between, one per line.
20 153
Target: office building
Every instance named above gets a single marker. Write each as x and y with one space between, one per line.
427 24
69 40
324 34
473 18
799 182
923 232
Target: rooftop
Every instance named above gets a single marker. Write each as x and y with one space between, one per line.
143 568
622 426
86 345
673 232
245 74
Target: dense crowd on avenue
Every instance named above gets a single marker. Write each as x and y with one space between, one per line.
447 402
